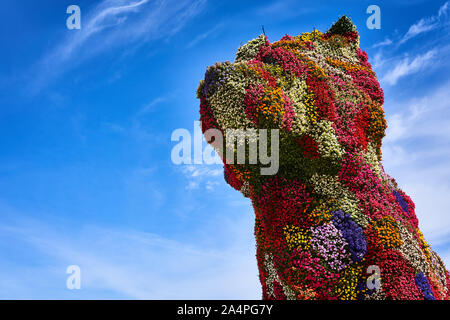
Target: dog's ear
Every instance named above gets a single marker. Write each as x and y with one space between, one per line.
342 27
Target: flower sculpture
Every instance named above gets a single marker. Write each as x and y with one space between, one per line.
330 213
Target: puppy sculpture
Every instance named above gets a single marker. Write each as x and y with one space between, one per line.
330 223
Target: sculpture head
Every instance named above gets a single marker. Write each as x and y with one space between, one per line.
329 213
317 89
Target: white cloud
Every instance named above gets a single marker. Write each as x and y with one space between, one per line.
446 257
210 185
203 36
202 171
192 185
132 264
426 24
416 152
401 124
406 66
151 106
383 43
443 10
115 23
108 14
418 117
202 175
378 61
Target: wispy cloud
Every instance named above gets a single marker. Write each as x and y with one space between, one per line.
424 25
407 66
443 10
418 117
427 24
116 23
132 264
151 105
202 171
109 14
214 32
383 43
416 152
198 175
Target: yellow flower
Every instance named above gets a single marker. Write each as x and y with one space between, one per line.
297 237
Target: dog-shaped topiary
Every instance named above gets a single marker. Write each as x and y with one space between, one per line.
330 224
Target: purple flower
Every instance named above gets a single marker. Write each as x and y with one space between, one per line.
215 76
401 201
352 233
424 286
328 243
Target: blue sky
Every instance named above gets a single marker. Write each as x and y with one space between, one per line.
86 118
